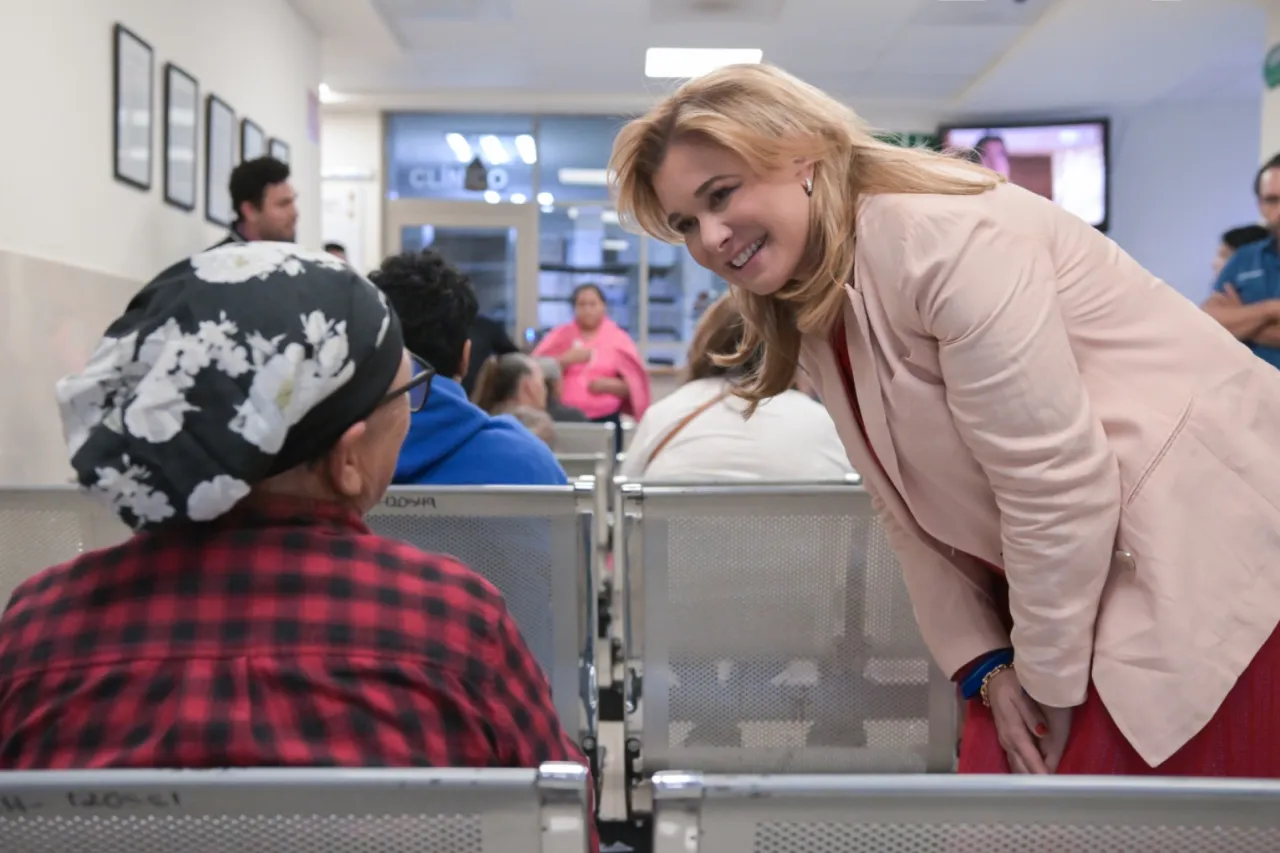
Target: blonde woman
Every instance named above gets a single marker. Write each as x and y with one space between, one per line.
1076 466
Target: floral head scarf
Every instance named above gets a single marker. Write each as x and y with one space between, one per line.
228 368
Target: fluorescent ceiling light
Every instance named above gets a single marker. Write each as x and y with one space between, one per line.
546 198
695 61
493 150
461 148
583 177
492 196
527 148
518 198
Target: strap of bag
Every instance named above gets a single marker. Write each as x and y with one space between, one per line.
684 422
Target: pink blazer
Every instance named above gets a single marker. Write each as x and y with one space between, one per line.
1041 402
613 354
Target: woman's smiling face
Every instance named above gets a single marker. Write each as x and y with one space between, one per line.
749 229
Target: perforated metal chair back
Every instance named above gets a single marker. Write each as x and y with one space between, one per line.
575 438
531 543
585 464
963 814
47 526
295 810
776 635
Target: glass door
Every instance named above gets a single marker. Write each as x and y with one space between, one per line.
496 245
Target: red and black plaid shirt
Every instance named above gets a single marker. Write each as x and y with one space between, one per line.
286 634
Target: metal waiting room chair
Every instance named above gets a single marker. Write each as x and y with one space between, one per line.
962 814
43 526
296 810
772 633
531 542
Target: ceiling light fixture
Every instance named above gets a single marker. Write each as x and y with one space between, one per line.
492 196
546 199
583 177
494 150
518 198
684 62
527 148
461 148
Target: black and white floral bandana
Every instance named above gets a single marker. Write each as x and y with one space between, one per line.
228 368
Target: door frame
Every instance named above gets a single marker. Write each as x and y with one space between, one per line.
406 212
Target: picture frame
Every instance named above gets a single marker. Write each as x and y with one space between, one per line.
220 159
280 150
133 108
181 137
253 140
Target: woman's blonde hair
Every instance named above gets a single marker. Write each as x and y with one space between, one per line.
773 120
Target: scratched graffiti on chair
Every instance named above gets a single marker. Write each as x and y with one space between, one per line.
111 800
409 502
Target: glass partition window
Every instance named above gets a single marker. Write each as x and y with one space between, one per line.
679 293
655 291
575 155
585 245
461 157
486 254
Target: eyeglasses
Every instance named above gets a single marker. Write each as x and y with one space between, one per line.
418 388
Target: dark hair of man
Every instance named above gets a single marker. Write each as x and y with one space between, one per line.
1244 235
436 305
249 181
1273 163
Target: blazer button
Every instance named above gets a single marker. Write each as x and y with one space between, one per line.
1124 560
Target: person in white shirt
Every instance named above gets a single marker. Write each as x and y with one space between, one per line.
698 433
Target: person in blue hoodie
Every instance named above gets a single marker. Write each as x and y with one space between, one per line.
452 442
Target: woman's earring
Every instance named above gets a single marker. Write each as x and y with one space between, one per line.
808 186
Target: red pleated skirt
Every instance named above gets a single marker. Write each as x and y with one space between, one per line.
1242 739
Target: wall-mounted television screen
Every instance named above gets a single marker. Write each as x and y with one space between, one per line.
1063 161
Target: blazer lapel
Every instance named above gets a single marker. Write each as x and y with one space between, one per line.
866 381
820 361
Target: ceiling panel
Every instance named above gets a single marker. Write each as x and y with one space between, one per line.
991 56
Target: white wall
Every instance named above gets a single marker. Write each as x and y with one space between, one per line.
59 198
351 177
1270 130
1181 175
75 244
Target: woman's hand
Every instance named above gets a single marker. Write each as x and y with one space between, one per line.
575 355
1022 727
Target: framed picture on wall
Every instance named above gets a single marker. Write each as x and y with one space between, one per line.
253 141
280 150
220 159
181 137
133 103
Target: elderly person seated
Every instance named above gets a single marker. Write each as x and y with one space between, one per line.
507 382
241 416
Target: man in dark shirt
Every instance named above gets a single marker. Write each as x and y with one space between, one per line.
264 202
1246 295
253 619
488 338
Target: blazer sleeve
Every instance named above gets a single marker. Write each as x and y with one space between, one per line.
988 294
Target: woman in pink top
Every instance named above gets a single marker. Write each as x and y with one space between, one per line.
604 375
